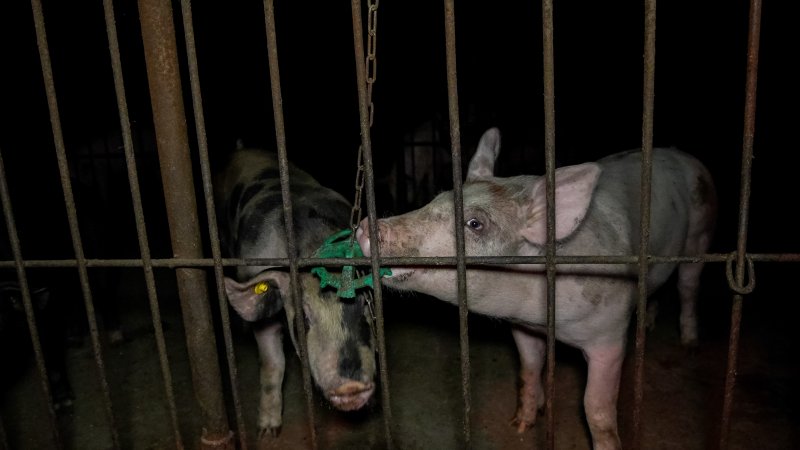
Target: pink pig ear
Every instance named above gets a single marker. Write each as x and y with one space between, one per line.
260 296
481 166
574 188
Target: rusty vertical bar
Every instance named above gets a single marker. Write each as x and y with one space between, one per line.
72 217
458 200
160 48
141 231
644 237
753 39
550 181
283 166
366 145
208 193
16 250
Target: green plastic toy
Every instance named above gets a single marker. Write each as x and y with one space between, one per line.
345 283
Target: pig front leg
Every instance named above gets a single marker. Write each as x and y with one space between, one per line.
602 389
531 350
269 337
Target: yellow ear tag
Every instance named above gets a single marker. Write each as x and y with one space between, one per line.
260 288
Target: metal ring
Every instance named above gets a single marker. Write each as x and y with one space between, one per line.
750 274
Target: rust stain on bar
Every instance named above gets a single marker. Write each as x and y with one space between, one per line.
283 166
216 252
141 232
158 35
550 180
458 200
366 144
744 208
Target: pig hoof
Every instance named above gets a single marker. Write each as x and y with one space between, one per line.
524 419
268 432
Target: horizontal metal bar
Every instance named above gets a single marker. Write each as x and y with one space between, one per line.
172 263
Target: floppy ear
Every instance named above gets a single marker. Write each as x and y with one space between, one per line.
481 166
258 297
574 188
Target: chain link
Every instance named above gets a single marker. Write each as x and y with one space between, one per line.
372 70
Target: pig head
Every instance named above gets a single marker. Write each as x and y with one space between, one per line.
339 341
597 213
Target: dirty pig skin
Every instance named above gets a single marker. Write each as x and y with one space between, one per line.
339 341
597 213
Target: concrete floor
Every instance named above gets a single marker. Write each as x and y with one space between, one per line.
682 397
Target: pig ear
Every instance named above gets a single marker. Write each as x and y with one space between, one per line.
258 297
481 166
574 188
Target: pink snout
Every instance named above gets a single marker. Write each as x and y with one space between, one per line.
351 395
363 237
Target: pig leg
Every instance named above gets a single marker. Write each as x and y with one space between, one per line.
602 388
269 338
688 286
531 350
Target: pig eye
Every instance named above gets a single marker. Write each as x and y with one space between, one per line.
475 224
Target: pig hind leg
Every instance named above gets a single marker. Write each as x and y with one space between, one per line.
697 243
531 350
269 337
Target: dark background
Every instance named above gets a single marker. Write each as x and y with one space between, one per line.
699 107
700 74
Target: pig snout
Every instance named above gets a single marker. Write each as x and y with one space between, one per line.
351 395
363 235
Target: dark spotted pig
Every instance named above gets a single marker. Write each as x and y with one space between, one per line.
597 213
339 341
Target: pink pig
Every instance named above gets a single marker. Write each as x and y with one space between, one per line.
597 213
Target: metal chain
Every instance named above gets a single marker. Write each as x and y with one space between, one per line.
372 71
372 68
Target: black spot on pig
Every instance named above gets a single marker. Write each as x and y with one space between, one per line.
233 200
359 335
249 193
329 216
269 175
267 203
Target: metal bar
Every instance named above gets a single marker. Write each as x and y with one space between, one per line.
172 263
644 236
216 252
283 166
744 208
458 206
141 230
72 217
160 48
22 277
550 172
366 146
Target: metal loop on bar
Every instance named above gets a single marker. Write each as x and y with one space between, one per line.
750 275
